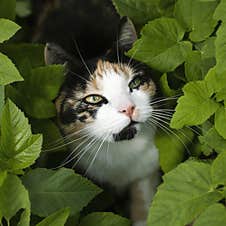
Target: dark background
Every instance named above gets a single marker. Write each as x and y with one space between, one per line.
92 24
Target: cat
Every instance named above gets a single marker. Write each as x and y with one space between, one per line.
103 108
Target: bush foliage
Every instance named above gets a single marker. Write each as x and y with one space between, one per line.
184 42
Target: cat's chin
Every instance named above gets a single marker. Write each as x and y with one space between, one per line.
128 133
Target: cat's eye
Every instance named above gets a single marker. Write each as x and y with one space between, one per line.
135 83
94 99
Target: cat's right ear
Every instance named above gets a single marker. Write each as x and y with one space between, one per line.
54 54
127 34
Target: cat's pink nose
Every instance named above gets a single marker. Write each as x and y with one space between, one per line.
128 110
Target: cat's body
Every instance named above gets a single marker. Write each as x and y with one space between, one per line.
103 109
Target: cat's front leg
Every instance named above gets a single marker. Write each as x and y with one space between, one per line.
142 192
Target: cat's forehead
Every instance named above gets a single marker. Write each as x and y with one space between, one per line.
108 75
104 68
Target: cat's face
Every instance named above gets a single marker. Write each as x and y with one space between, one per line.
111 104
115 100
108 103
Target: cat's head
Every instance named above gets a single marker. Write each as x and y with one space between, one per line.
105 98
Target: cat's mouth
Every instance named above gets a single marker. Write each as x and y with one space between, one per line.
127 133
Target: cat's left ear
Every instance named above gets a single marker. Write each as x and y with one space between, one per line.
54 54
127 34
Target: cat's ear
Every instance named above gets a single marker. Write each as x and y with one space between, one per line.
54 54
127 34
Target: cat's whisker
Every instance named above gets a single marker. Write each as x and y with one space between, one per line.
107 153
161 105
83 151
117 51
167 113
68 160
164 99
168 116
81 77
96 154
65 144
81 57
85 129
160 98
164 116
168 131
163 110
194 131
161 119
77 147
97 139
136 65
137 49
91 139
63 139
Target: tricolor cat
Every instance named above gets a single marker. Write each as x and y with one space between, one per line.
103 108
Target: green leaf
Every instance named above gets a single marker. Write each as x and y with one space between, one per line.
8 71
3 175
19 148
2 98
193 67
164 86
161 45
39 107
221 96
196 17
197 64
52 138
103 219
212 140
214 215
23 8
185 193
221 49
32 54
7 29
37 102
25 217
207 48
220 12
58 218
13 196
220 119
195 107
216 82
218 170
172 148
7 9
51 190
207 0
50 78
142 11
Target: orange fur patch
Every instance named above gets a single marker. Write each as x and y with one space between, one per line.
149 87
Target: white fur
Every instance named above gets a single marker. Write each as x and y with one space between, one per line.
124 161
120 163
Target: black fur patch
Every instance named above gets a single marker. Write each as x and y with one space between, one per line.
127 133
82 112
